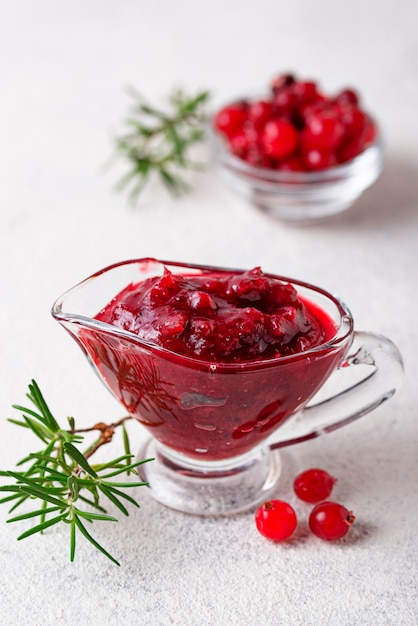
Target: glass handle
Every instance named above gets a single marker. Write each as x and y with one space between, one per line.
370 374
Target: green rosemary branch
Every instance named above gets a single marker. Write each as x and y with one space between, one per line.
158 143
60 478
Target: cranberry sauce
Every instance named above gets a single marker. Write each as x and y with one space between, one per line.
225 359
217 317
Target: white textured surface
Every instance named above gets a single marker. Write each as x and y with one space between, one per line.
63 67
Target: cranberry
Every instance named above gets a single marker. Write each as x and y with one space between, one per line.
285 100
349 150
173 324
347 96
163 288
276 520
230 120
354 121
240 143
313 485
323 131
259 112
307 111
330 520
249 286
305 91
200 300
279 138
356 144
282 81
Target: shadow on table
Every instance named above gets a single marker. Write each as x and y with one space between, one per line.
392 199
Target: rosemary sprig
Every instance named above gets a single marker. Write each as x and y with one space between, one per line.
158 142
61 479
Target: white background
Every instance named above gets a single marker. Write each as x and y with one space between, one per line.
64 68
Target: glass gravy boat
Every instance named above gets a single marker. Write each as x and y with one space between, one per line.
216 427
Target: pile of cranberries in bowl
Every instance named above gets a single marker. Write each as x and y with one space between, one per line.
297 152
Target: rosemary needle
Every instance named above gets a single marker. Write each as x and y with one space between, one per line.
62 480
158 143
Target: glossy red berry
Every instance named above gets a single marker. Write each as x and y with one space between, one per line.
330 520
310 109
279 138
347 96
355 145
259 112
324 131
349 150
230 120
306 91
285 100
276 520
284 80
354 121
314 485
240 143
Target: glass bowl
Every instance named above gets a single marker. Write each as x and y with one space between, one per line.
299 197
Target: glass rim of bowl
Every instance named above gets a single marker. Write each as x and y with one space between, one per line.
344 329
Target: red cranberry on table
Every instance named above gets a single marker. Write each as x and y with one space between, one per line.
297 127
313 485
330 520
276 520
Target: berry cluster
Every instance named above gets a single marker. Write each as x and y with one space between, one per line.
277 520
296 127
